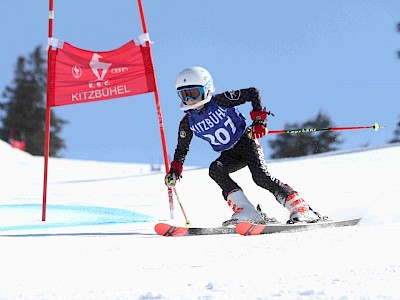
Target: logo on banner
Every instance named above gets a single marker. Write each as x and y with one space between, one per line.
76 72
99 68
101 87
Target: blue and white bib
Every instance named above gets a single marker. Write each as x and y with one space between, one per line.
221 126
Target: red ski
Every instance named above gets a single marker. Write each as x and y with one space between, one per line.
165 229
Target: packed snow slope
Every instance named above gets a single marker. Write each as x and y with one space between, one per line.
98 240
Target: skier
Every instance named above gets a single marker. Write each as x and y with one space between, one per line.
216 119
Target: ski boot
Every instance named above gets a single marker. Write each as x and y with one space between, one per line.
243 209
300 211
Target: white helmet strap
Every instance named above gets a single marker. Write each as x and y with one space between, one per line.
183 106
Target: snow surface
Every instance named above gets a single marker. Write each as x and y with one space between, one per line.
98 240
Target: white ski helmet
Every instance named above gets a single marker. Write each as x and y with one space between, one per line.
195 81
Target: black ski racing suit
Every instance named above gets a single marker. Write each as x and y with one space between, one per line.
246 152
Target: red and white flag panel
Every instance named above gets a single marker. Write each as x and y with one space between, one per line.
80 76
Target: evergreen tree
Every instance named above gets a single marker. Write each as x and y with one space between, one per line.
25 110
303 144
396 138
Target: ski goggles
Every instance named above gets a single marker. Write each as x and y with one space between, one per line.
190 93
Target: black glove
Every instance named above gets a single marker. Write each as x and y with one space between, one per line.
174 173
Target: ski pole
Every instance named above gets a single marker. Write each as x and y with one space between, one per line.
376 126
187 222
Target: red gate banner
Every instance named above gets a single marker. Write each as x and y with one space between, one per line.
80 76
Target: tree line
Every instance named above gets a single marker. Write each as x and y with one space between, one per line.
24 109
